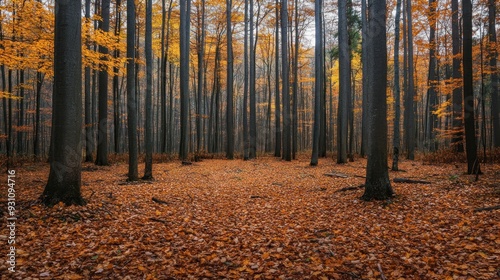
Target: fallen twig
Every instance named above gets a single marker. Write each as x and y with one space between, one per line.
350 188
336 175
487 208
158 220
160 201
382 276
410 181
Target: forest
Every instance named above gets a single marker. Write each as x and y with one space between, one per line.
250 139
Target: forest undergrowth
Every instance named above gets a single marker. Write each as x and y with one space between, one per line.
259 219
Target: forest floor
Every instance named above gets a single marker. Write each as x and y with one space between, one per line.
259 219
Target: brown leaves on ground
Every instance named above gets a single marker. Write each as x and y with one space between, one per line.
262 219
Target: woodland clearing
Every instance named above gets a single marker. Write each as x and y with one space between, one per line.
259 219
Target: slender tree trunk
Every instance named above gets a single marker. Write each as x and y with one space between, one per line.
229 83
468 91
200 40
295 82
397 93
131 94
89 139
285 87
185 6
277 102
148 122
432 81
410 91
252 151
102 136
20 116
495 102
344 83
245 90
64 180
457 139
364 56
116 86
36 143
318 80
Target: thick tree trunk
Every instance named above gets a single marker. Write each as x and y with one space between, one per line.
65 166
377 185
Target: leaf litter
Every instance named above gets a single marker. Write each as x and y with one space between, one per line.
259 219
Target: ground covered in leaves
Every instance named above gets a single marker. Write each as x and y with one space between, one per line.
262 219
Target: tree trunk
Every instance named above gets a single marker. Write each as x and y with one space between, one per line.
252 151
102 135
364 56
432 81
397 93
457 139
344 83
277 102
185 6
229 83
89 139
410 91
131 94
377 185
495 102
285 87
116 86
65 166
200 41
148 120
468 91
318 80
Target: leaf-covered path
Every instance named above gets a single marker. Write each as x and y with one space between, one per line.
262 219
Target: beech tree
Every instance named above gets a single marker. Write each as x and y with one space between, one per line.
64 180
131 96
102 134
377 185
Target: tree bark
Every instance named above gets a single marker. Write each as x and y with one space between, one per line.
148 137
344 83
185 6
397 93
64 180
318 80
457 139
131 94
377 185
468 90
495 102
285 87
102 135
229 83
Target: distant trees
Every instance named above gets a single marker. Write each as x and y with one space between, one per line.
253 80
64 180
